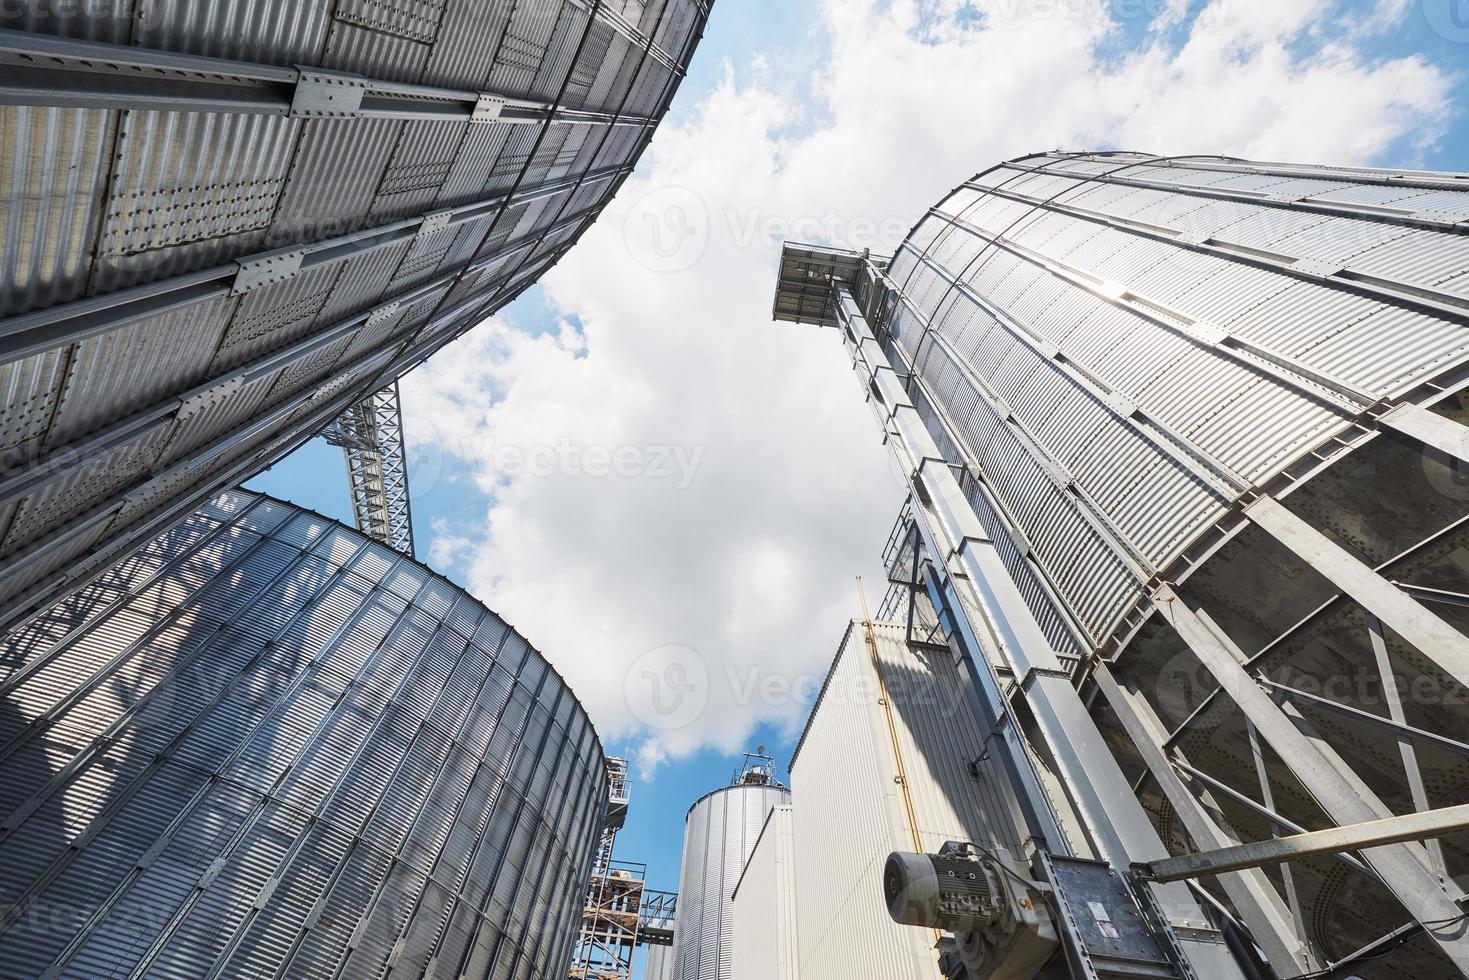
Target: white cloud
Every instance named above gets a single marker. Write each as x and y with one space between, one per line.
751 565
446 548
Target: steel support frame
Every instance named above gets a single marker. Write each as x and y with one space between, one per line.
1006 636
1423 629
1274 926
1424 825
370 435
1342 797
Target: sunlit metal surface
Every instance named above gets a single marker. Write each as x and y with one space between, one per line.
227 222
1207 413
267 746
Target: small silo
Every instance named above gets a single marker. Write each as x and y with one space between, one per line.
720 833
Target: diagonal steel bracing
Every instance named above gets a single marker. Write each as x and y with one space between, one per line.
370 435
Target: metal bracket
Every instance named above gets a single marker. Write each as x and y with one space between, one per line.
1316 268
1440 217
267 268
488 108
1209 333
435 221
1056 472
1121 404
1022 543
328 95
191 407
385 313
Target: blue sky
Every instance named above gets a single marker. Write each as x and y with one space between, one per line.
813 114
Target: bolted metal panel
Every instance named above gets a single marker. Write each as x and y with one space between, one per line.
720 832
211 223
301 753
176 203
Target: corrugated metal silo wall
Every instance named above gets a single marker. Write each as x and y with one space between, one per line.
1126 345
658 962
265 746
765 906
194 282
719 834
849 813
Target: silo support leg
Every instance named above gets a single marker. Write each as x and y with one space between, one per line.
1259 903
1340 798
1400 612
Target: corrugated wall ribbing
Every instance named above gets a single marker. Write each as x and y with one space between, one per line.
765 945
127 224
658 963
719 835
849 813
268 747
1125 345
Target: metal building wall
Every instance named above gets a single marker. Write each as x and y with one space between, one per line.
720 831
266 746
658 962
1205 426
765 941
849 813
229 221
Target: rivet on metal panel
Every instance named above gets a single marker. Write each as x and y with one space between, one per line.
435 221
191 407
1121 404
328 95
270 267
384 313
1282 198
1209 333
1048 349
1192 238
487 108
1315 267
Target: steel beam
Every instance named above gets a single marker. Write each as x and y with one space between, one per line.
1425 631
1339 797
42 70
1406 749
1429 428
1270 922
1426 825
1399 729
